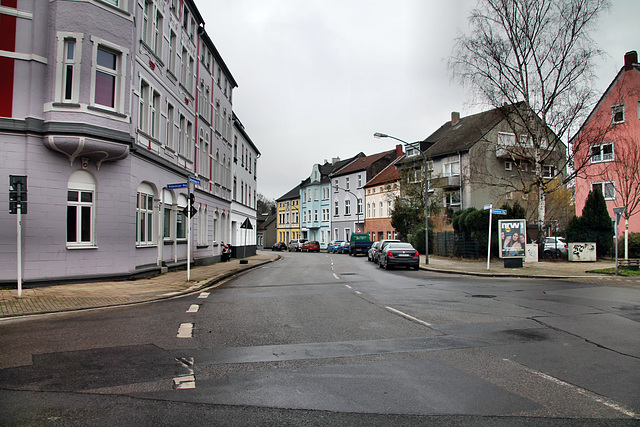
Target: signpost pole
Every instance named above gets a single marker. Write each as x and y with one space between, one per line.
489 241
188 232
618 212
19 254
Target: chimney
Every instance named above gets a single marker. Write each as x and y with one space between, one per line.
630 58
455 118
335 160
399 150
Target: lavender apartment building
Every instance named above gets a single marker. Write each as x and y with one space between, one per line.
347 192
110 107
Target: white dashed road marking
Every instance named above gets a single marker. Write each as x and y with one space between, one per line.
187 381
595 397
194 308
204 295
185 330
348 286
407 316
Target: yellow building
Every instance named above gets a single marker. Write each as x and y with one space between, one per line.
289 216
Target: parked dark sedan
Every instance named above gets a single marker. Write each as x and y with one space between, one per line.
399 254
279 247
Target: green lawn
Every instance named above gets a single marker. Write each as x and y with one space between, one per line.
622 271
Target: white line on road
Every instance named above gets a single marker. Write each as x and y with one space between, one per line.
348 286
185 330
358 293
204 295
194 308
336 276
187 381
591 395
407 316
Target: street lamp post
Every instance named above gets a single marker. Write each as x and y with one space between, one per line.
357 205
379 135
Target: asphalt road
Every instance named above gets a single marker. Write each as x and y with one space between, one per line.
319 339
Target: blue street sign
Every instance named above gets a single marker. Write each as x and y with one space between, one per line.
194 180
173 186
498 211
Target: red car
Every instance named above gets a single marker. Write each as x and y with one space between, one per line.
311 246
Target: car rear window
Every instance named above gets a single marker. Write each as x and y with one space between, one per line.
399 246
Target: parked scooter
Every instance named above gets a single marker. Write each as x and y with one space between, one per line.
226 252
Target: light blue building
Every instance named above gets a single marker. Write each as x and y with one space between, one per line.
315 202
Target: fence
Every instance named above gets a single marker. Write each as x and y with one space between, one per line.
448 244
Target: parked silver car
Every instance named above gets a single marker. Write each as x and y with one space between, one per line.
295 245
555 247
372 250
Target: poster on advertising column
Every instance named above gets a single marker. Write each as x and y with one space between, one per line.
513 238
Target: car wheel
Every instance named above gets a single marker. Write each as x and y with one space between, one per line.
416 267
387 266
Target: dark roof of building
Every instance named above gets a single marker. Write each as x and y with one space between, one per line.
361 162
388 174
327 168
294 193
465 133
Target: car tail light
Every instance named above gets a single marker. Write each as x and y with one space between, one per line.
389 253
416 255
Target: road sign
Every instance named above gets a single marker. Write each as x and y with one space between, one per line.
498 211
173 186
487 207
247 224
194 180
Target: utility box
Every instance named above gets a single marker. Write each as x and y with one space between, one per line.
582 252
531 253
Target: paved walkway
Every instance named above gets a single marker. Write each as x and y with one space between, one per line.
70 297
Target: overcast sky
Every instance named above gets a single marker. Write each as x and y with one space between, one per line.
316 79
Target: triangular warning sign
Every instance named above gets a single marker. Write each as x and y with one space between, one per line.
247 224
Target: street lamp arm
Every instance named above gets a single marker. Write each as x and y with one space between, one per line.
379 135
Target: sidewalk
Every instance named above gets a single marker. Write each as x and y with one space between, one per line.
70 297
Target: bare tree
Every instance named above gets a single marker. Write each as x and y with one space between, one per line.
536 53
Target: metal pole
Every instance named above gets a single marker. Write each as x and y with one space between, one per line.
426 189
426 209
489 243
19 244
188 232
617 245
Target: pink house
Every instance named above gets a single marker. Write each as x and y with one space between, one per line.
607 147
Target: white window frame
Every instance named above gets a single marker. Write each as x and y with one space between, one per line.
615 109
158 33
548 171
203 224
451 168
171 113
347 207
181 219
145 216
603 187
600 156
82 182
119 74
168 229
62 64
